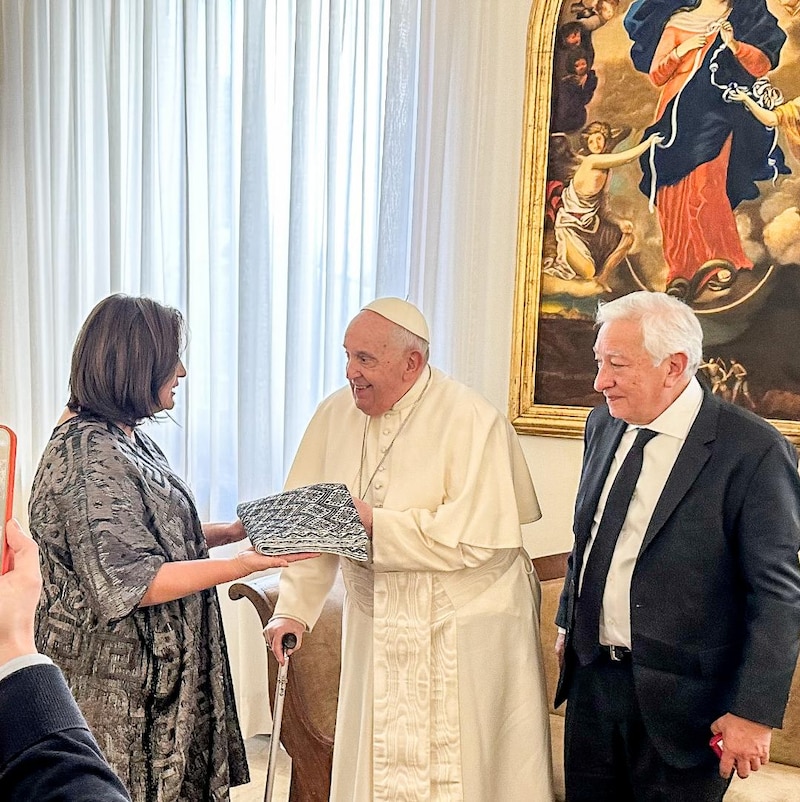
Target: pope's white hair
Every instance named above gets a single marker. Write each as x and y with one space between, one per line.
408 341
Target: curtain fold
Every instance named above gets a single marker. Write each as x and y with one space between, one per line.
224 157
267 167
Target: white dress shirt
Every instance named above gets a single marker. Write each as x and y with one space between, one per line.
672 426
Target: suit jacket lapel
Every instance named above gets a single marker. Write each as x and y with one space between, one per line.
692 457
603 447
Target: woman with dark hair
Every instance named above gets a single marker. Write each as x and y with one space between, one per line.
128 609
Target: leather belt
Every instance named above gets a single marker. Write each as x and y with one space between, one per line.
616 653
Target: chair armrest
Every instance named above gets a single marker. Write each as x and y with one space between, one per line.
553 566
261 591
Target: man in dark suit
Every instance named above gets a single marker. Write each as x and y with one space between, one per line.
46 749
680 614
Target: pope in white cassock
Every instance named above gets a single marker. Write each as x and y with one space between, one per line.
442 693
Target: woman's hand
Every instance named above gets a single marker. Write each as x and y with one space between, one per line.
251 561
695 42
726 32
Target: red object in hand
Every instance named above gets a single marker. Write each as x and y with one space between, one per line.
8 450
717 744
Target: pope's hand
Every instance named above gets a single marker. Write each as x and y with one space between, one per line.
274 632
365 514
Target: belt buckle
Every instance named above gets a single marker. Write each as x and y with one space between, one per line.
616 653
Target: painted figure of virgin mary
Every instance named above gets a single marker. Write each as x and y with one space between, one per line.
697 52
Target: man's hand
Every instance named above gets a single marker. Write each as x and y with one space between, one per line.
745 744
365 513
561 648
276 629
19 595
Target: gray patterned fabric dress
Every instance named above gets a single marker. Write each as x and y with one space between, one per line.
153 682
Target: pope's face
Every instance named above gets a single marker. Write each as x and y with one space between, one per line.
635 389
377 367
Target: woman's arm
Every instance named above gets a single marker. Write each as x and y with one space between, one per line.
749 56
174 580
220 534
673 54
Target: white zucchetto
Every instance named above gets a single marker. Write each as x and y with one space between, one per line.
403 313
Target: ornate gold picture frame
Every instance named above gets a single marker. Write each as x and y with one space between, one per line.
749 303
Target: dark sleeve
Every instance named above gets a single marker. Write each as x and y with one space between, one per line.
46 749
768 539
589 87
563 614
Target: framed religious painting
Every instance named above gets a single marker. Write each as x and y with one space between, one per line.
661 152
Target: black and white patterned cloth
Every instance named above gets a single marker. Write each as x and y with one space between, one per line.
319 517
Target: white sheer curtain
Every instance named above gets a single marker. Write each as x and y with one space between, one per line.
266 166
225 157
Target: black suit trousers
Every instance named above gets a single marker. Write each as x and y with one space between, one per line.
608 756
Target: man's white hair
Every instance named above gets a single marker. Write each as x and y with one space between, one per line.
668 325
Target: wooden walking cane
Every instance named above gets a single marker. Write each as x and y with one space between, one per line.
289 641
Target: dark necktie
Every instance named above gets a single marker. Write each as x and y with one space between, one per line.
586 637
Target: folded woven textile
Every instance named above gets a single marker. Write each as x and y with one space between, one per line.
319 517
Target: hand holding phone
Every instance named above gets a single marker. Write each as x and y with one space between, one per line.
8 453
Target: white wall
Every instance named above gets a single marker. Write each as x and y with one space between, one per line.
480 352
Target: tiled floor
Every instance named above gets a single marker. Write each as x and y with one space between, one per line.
258 759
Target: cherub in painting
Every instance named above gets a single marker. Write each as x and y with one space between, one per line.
783 115
590 240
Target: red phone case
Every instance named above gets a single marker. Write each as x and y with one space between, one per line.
5 562
716 744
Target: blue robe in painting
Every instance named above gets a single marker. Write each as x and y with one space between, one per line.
704 119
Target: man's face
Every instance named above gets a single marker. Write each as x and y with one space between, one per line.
581 67
573 38
377 368
635 389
